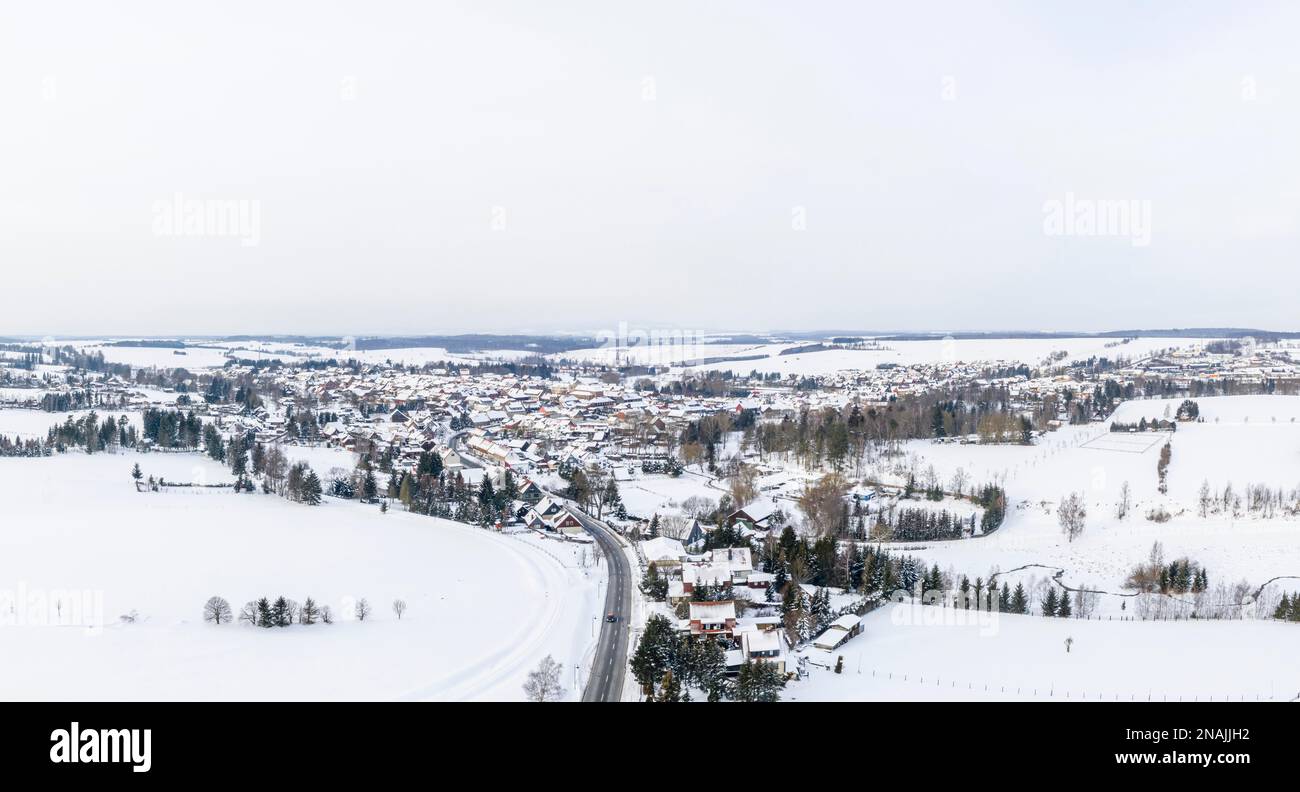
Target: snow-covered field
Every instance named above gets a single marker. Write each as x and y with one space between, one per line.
1238 443
35 424
484 608
1029 351
914 652
647 495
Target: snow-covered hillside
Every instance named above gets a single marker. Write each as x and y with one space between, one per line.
1239 443
484 608
915 652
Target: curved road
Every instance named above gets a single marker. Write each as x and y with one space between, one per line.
610 663
605 683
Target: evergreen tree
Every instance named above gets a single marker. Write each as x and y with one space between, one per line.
1050 603
280 612
653 652
264 615
1019 600
1283 610
653 585
311 489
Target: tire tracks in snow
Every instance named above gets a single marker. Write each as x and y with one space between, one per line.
488 672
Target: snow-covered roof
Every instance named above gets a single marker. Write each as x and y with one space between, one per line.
661 548
712 611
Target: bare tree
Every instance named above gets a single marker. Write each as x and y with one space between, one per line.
1085 601
276 466
674 526
543 684
743 484
217 611
399 607
959 481
823 503
1125 502
326 615
363 609
1072 514
248 613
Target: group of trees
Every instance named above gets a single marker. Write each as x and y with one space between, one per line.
1143 425
428 489
672 466
668 665
805 616
1054 605
919 525
1288 608
654 585
88 433
1162 467
1257 500
1180 576
171 428
20 447
249 459
594 489
282 611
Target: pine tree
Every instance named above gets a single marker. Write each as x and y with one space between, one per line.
1063 609
264 615
311 489
1050 603
1019 600
1283 610
280 612
653 651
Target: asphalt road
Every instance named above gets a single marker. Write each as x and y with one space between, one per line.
455 442
606 680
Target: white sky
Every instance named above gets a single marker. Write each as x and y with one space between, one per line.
648 160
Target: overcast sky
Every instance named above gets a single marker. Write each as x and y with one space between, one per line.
502 166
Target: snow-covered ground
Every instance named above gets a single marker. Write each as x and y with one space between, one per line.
484 608
914 652
1239 442
647 495
35 424
1029 351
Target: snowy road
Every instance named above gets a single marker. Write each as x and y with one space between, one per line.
606 680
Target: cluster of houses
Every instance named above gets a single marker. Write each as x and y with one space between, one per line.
729 572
